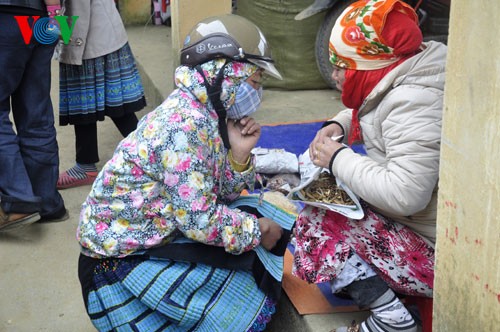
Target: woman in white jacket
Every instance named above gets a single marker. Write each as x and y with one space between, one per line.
393 85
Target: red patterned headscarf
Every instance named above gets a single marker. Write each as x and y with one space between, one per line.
369 39
358 40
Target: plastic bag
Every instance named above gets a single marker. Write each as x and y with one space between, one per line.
275 161
309 173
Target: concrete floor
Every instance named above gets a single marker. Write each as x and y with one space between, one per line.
39 288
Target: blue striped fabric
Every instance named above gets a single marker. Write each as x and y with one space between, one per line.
285 219
105 82
184 297
272 263
158 294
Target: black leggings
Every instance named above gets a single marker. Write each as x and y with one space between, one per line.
87 151
365 292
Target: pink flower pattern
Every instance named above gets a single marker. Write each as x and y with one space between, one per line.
185 191
101 227
171 179
152 193
324 240
183 165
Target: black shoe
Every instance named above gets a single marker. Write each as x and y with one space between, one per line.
61 215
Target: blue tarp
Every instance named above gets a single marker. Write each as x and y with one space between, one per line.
294 137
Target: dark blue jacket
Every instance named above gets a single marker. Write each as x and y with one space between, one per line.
35 4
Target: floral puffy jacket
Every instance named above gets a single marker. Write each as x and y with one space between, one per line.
171 177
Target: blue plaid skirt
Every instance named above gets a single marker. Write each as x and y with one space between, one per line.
137 294
109 85
188 286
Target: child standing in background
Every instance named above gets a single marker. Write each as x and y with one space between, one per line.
98 78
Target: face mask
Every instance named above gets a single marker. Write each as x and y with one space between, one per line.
247 101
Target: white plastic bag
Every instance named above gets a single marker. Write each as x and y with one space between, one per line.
275 161
310 172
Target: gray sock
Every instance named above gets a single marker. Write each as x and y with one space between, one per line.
79 170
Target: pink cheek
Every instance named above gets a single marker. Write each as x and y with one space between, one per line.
338 82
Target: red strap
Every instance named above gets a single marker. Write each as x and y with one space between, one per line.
355 132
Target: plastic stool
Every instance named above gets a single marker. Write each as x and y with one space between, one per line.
424 305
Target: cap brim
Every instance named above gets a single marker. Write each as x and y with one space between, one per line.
269 68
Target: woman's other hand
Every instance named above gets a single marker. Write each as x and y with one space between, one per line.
323 146
270 231
243 136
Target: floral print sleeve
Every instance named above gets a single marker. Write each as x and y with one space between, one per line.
200 181
234 182
170 175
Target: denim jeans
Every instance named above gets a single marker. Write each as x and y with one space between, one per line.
29 160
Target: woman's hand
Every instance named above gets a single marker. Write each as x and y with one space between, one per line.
323 146
243 136
270 231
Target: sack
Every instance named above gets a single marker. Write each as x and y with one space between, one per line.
292 42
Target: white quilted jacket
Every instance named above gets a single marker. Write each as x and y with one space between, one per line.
401 126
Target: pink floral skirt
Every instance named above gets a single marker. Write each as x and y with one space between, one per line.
324 240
